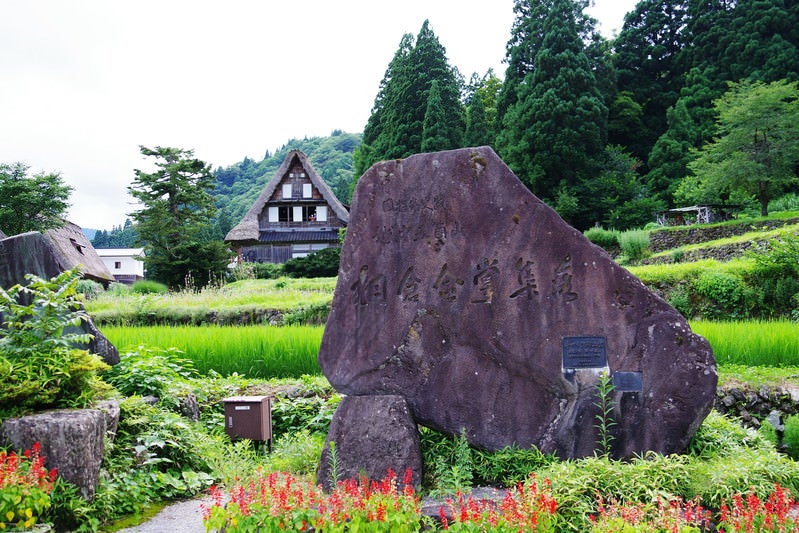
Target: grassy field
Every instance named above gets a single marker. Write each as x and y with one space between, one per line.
242 300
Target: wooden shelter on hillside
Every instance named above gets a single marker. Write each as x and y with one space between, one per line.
296 214
697 214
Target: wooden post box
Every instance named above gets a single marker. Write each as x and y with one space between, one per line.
248 417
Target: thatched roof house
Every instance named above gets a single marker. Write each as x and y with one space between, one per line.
50 253
296 214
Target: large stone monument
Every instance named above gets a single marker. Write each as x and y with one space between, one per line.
466 295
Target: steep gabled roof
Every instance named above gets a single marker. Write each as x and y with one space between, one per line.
248 230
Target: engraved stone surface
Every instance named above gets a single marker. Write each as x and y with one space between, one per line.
456 289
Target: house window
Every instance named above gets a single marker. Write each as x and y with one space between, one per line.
274 215
297 214
321 213
117 265
287 190
307 190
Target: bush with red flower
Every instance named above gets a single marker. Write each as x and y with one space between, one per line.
25 487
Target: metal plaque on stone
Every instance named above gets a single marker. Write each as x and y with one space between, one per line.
628 381
584 352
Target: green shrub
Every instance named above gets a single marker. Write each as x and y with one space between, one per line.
323 263
149 287
607 239
268 271
118 289
726 294
297 452
90 289
40 366
790 437
634 244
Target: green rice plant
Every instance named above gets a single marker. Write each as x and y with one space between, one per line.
752 342
253 351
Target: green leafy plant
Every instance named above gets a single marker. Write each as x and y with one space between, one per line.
449 461
25 487
149 371
41 364
790 436
604 419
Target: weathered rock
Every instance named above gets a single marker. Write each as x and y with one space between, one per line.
49 254
371 435
71 441
456 290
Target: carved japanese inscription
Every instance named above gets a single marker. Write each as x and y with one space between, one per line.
465 294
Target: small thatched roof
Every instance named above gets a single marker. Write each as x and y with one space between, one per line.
48 254
248 231
75 249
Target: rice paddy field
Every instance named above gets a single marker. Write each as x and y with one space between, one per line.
252 351
752 342
290 351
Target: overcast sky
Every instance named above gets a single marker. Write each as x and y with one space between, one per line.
83 83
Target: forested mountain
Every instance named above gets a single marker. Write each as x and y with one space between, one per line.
238 186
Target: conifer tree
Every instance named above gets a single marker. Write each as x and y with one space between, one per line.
395 128
554 134
649 72
174 220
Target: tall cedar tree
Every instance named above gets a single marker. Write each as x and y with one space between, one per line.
757 148
175 219
649 73
481 109
395 128
31 203
554 134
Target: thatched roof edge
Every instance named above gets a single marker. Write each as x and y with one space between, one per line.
248 230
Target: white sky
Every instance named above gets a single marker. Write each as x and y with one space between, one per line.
83 83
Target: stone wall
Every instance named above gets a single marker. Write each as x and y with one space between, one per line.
674 237
752 405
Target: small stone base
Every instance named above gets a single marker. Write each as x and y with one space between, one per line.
371 435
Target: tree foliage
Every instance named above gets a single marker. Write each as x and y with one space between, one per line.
396 126
757 148
31 203
174 222
554 132
123 236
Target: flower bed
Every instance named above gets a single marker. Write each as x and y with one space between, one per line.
281 502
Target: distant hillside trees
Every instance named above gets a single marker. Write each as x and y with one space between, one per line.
31 203
124 236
